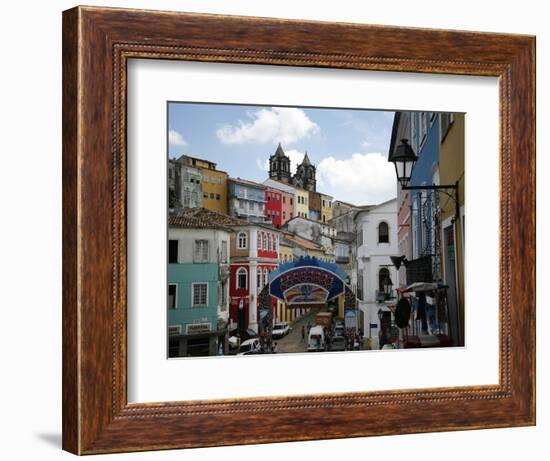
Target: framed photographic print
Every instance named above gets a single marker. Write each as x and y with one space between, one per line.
285 230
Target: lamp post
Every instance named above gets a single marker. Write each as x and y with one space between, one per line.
404 160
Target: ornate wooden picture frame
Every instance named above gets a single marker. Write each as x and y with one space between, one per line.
97 44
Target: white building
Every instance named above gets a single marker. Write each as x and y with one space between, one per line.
376 242
322 234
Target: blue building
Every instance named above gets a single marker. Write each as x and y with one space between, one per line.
425 141
198 284
247 200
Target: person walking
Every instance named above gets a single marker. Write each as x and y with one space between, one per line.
303 334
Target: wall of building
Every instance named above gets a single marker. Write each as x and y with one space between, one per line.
184 275
326 208
371 254
301 203
214 190
274 207
451 170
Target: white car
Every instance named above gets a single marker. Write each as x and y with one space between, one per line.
316 339
280 329
250 346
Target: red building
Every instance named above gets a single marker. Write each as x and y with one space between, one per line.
254 254
279 207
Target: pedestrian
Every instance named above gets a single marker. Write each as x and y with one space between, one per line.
303 334
274 348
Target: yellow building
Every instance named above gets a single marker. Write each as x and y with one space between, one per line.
213 183
451 171
301 203
326 207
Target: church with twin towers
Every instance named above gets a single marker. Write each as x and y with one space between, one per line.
279 170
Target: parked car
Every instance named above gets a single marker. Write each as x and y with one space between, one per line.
316 339
280 329
236 338
339 329
249 347
338 343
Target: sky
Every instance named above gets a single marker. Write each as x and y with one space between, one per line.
348 147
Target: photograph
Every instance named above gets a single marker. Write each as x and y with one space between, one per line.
308 229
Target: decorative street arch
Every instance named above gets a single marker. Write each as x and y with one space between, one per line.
306 281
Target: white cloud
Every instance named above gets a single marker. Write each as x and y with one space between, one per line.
362 179
278 124
175 138
295 159
263 166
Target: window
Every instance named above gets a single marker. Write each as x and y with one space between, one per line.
213 179
269 242
205 195
266 276
264 241
383 277
423 128
383 233
218 197
174 330
259 243
291 201
241 278
241 240
201 251
284 214
324 206
219 179
223 295
413 142
172 252
284 199
212 195
200 294
172 295
224 251
259 279
360 236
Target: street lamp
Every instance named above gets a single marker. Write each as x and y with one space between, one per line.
404 160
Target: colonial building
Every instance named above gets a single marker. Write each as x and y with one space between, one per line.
451 171
321 234
431 235
376 242
198 283
254 254
213 183
279 206
279 170
247 200
184 185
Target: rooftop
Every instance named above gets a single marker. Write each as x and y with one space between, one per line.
248 183
198 218
310 220
201 218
